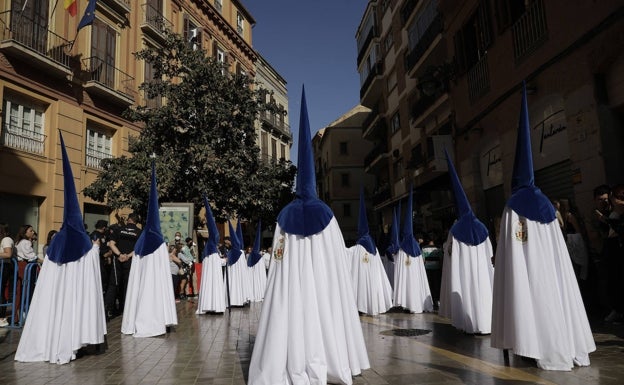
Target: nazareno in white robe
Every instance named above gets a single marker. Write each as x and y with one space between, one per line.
373 294
537 309
239 282
150 303
309 330
212 288
411 286
467 280
66 312
258 280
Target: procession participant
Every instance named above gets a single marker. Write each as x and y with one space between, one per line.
537 308
309 330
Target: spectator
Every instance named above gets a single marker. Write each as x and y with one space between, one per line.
614 253
106 254
597 233
174 264
51 235
6 252
186 255
574 236
26 255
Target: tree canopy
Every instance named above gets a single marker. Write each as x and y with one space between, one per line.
202 138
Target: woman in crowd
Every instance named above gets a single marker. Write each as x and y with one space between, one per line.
6 269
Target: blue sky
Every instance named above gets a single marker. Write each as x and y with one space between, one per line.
311 43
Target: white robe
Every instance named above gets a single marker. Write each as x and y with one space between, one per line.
150 304
66 312
388 266
212 289
373 294
309 330
411 286
537 309
258 281
467 280
239 282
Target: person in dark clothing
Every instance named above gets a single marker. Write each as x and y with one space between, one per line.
101 233
121 243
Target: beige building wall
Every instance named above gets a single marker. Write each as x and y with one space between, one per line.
51 83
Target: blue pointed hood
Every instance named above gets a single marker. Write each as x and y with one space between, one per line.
72 241
526 199
364 238
213 233
408 242
394 244
255 255
306 215
468 228
151 237
235 252
239 234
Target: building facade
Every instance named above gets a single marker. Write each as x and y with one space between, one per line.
444 74
339 150
401 50
274 135
53 79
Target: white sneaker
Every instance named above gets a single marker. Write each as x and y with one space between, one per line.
3 323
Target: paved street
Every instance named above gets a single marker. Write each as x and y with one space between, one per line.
216 349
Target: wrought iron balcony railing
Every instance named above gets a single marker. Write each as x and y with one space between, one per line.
479 79
530 30
155 19
94 158
21 139
35 36
425 41
107 74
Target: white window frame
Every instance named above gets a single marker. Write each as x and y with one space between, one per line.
98 146
240 23
218 5
24 126
221 58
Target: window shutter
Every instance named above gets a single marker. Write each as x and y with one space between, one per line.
186 32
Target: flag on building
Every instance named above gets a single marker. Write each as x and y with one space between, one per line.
71 6
89 15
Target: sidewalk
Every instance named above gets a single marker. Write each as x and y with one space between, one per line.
216 349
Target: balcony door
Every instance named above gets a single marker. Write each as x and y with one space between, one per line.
103 45
30 26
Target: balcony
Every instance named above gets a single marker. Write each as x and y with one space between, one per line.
373 33
280 125
106 80
122 7
381 194
426 101
154 23
530 31
23 140
24 38
366 97
94 158
479 79
372 159
419 50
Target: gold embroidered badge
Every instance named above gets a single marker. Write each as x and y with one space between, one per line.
520 230
365 259
279 252
408 260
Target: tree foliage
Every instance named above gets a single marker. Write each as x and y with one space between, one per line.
203 139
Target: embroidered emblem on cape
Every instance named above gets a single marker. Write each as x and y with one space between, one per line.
520 230
408 260
279 252
365 259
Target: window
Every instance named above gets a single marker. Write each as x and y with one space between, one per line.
343 148
346 209
192 33
395 124
219 55
23 127
388 41
264 146
98 146
283 151
273 148
103 48
344 180
240 22
155 101
218 5
473 39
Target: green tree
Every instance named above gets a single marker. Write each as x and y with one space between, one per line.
202 139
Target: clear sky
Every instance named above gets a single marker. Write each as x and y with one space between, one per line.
311 43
